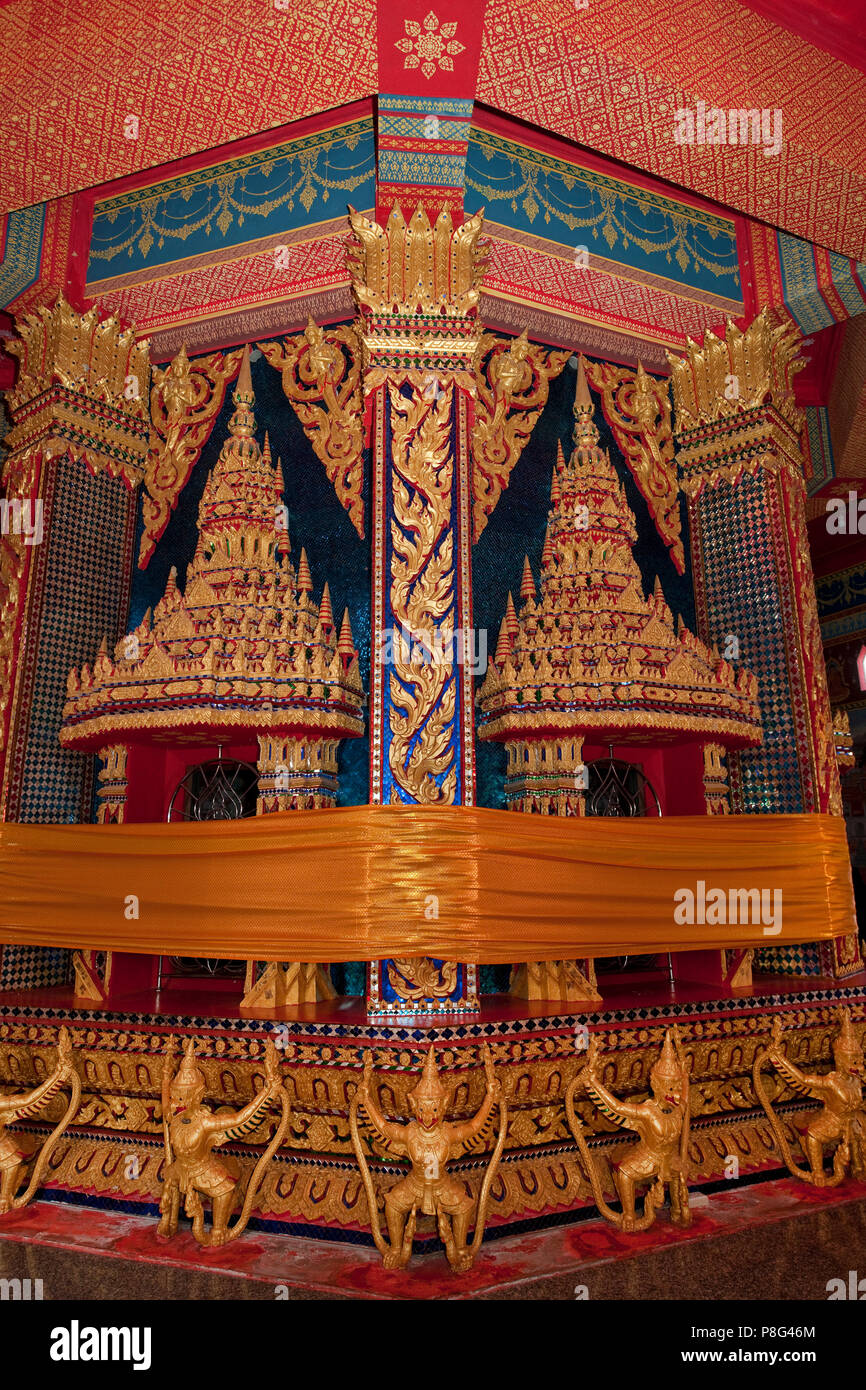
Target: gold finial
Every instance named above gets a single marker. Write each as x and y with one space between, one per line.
245 380
345 641
527 583
326 614
582 398
305 579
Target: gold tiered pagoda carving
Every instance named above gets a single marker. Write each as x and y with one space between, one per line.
592 654
245 646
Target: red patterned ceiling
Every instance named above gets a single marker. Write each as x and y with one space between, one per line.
611 76
199 73
196 73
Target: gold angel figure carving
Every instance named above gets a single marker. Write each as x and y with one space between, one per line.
430 1142
841 1121
24 1107
662 1125
190 1133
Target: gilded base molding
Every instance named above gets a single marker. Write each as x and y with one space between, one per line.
114 1148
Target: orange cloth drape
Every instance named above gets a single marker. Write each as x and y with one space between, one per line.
367 882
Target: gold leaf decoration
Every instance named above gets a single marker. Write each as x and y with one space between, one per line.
512 380
185 399
638 409
321 374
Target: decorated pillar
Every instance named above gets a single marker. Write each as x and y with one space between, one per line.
417 285
76 452
738 430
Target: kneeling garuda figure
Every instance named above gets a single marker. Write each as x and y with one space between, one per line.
191 1131
24 1107
662 1125
430 1142
842 1119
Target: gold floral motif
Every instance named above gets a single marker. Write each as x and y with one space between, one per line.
737 373
423 694
512 380
321 375
184 402
431 46
422 979
638 409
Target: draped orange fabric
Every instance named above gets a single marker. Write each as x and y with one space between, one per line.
367 882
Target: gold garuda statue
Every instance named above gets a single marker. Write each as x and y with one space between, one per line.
24 1107
430 1142
841 1121
190 1133
662 1125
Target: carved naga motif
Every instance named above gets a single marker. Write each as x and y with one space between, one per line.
841 1121
423 694
638 409
321 375
662 1126
190 1133
25 1107
431 1143
512 380
185 399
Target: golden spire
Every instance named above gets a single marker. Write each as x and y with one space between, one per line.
511 623
305 579
345 642
527 583
326 613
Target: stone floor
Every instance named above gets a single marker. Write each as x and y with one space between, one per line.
772 1240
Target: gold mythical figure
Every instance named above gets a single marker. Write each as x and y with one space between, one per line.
190 1132
662 1124
24 1107
842 1119
430 1142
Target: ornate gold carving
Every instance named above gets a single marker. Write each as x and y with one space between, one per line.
738 373
81 391
190 1131
321 375
285 982
593 653
112 784
413 268
560 980
662 1126
717 793
184 402
423 694
422 979
244 646
638 409
842 1119
430 1142
842 738
512 380
19 1107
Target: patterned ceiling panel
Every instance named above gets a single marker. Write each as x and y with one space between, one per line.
612 76
77 77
